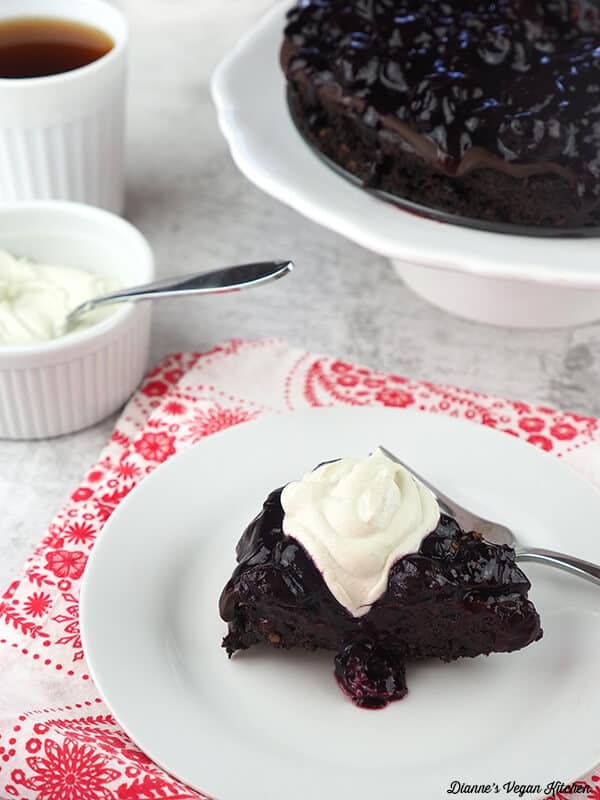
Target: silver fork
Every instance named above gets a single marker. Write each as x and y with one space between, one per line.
495 533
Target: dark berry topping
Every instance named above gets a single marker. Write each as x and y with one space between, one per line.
371 675
518 78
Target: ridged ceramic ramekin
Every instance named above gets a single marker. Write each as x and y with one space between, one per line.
62 136
70 383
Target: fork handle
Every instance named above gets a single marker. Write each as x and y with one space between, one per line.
577 566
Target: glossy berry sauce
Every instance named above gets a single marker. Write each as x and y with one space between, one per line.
518 78
371 675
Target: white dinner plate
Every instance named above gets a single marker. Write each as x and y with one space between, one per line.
272 725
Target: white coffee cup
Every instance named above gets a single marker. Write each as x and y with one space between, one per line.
62 136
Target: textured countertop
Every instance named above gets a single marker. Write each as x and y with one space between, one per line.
199 212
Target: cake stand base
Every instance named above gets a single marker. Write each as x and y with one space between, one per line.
506 303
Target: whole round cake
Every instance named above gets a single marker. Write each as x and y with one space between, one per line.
486 110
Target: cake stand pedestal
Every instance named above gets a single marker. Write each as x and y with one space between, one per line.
503 302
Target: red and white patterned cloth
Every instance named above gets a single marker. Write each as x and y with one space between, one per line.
58 741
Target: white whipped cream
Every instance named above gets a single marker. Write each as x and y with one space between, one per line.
35 299
356 518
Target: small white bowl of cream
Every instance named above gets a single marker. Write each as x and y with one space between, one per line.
54 256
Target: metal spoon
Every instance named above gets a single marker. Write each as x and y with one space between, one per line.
495 533
219 281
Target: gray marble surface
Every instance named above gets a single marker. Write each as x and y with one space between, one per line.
198 211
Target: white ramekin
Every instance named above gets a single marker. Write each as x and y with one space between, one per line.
62 136
61 386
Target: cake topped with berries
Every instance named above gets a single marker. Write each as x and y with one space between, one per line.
357 559
487 110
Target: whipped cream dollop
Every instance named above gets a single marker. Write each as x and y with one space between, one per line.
35 299
356 518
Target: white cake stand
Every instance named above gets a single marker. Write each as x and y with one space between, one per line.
501 279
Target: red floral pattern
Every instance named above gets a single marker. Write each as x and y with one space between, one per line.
17 622
78 533
155 388
563 431
106 502
325 381
37 604
71 748
156 446
174 408
71 772
174 375
395 397
531 424
70 620
214 419
66 563
83 493
127 471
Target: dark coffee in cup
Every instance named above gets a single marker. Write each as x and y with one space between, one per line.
33 47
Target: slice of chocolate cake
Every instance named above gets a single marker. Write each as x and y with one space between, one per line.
455 595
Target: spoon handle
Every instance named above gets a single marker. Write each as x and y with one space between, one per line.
219 281
577 566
